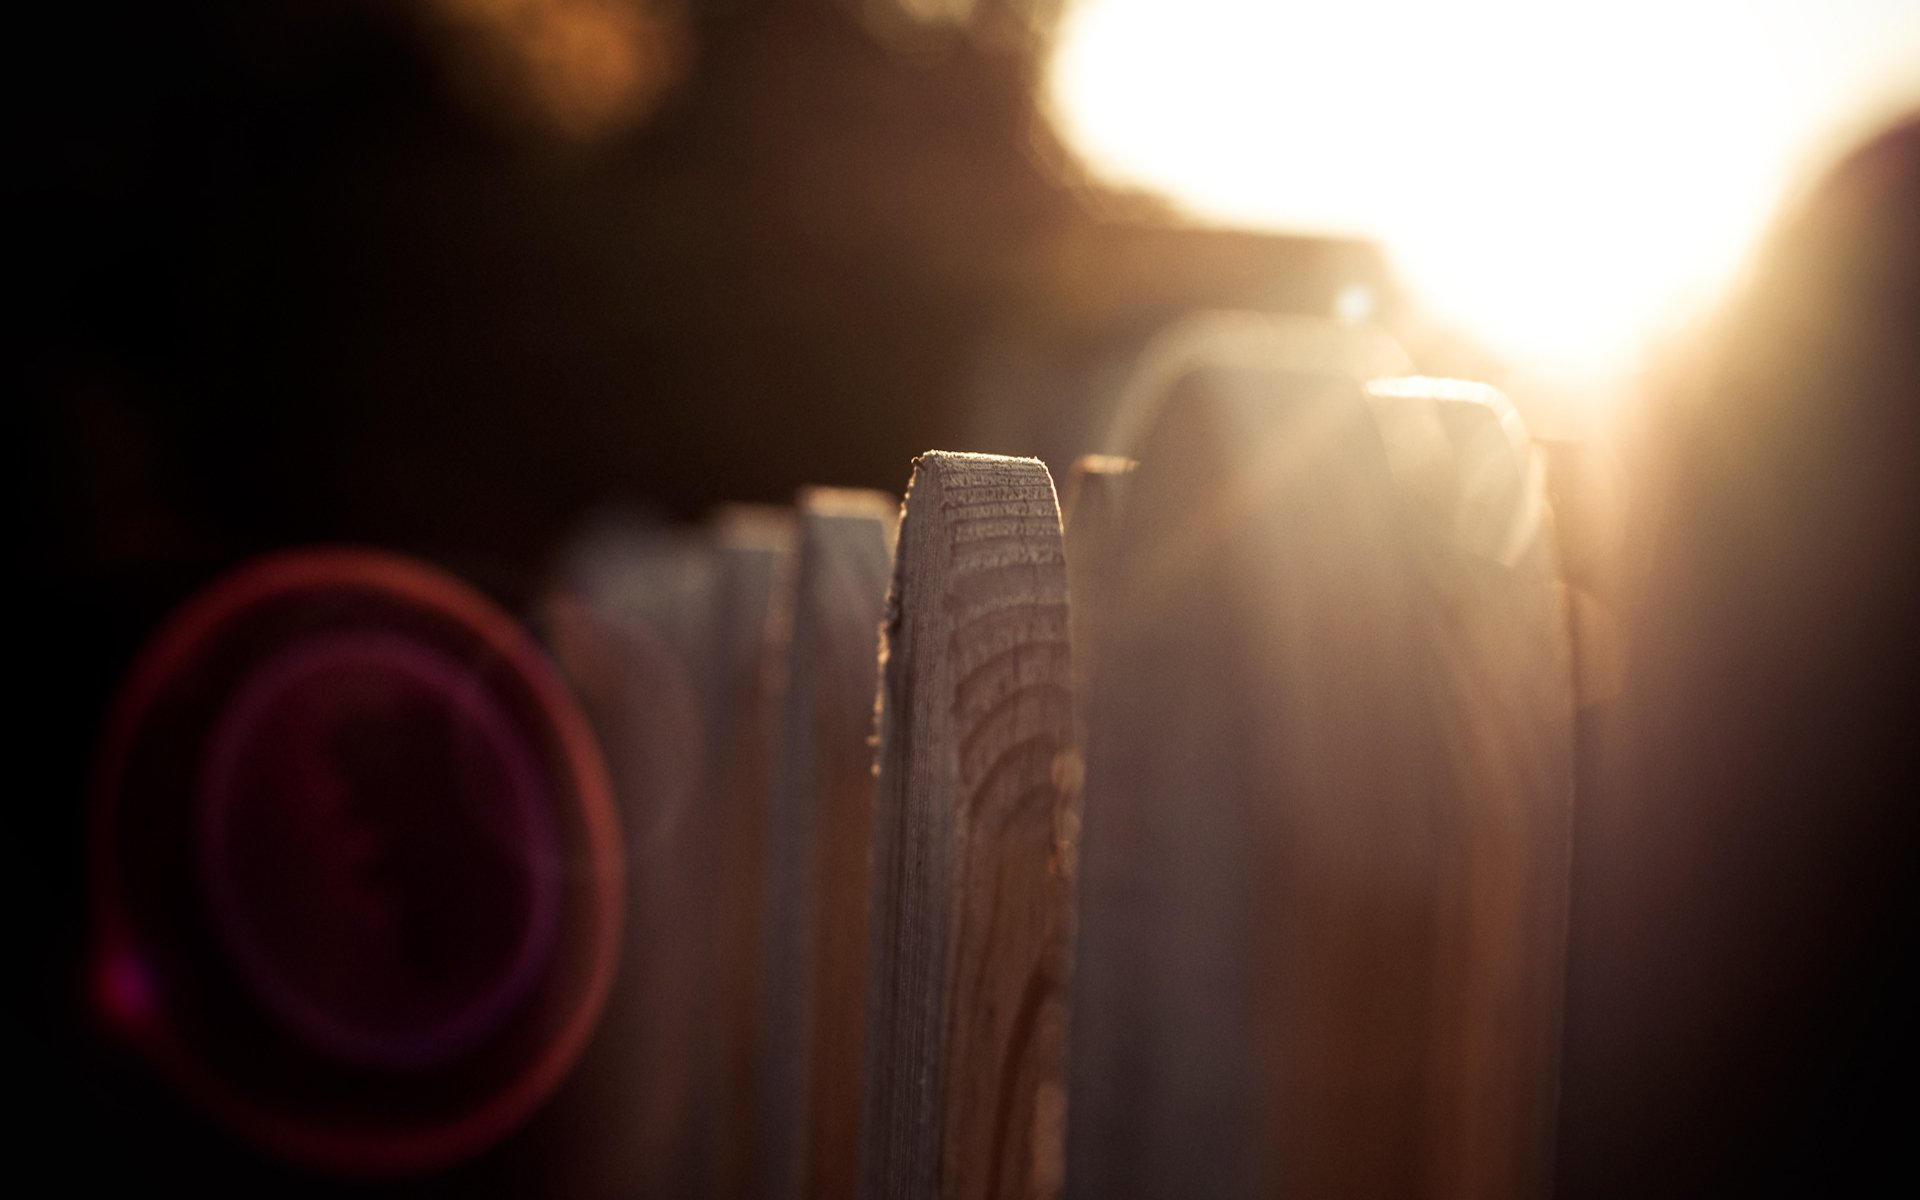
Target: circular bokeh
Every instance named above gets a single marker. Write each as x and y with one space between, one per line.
356 861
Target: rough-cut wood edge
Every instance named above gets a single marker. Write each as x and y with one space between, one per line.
963 1073
816 841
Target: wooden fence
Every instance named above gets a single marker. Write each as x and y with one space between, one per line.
1212 842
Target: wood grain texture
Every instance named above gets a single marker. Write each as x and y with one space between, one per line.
818 835
966 1018
1326 797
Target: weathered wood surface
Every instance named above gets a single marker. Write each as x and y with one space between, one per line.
963 1069
818 835
1325 809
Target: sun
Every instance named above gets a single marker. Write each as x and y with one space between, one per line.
1563 181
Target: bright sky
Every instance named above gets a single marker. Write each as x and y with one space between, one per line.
1561 179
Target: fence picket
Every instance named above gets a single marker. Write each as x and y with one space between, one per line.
966 1018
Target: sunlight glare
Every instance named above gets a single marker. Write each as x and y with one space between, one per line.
1562 181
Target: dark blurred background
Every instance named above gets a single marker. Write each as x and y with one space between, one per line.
442 273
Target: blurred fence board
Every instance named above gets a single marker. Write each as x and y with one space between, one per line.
1090 512
1507 691
817 842
631 620
1322 870
1090 506
1584 486
966 1018
755 547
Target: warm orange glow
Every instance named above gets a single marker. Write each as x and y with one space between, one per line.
583 68
1561 180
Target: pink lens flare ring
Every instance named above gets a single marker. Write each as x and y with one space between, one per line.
357 866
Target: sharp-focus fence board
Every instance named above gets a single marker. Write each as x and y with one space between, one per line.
966 1019
1324 796
818 837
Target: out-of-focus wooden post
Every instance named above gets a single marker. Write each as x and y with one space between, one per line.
1506 697
755 547
1323 865
1090 512
818 836
631 620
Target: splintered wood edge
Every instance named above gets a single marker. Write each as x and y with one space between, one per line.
964 1090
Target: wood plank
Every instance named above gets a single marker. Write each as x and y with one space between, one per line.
1234 339
755 550
1090 503
1090 507
1503 868
630 619
1585 489
966 1019
1319 782
818 837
